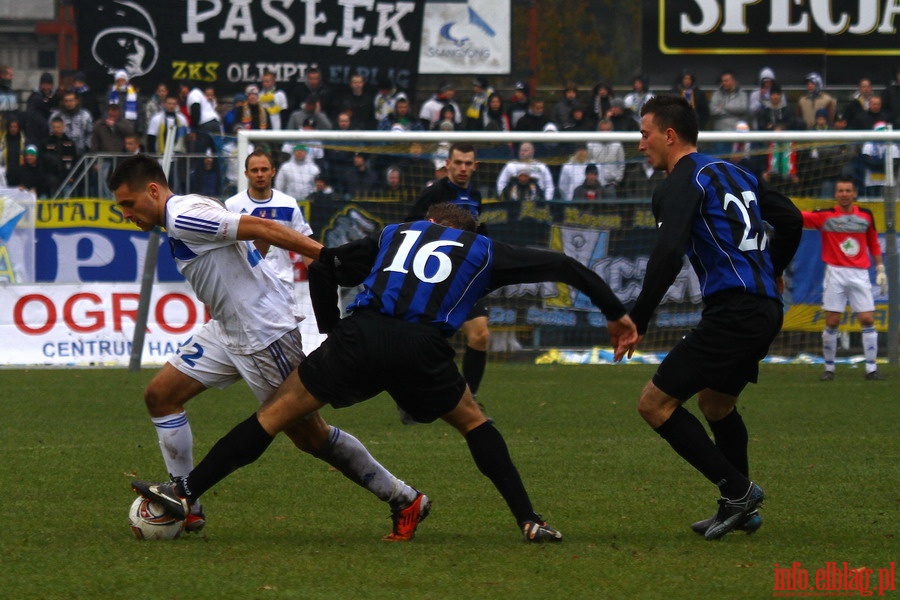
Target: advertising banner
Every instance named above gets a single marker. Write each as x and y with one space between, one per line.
229 43
92 324
17 209
470 37
840 40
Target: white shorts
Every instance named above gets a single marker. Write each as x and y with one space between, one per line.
202 357
847 285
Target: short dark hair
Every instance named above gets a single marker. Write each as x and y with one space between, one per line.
673 112
846 179
136 172
258 152
452 215
463 147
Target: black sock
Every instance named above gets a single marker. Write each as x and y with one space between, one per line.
473 365
686 435
239 447
731 438
492 458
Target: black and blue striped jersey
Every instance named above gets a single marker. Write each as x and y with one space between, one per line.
422 272
717 214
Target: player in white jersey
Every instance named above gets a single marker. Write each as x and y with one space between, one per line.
252 334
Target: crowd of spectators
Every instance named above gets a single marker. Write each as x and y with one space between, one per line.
59 124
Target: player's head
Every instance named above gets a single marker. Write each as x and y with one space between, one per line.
141 190
451 215
260 171
668 126
461 164
845 191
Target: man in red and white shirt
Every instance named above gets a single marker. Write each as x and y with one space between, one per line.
848 238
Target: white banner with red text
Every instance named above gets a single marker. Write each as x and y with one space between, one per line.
92 324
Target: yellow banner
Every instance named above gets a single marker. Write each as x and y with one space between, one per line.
80 212
811 317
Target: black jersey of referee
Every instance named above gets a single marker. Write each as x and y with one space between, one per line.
421 272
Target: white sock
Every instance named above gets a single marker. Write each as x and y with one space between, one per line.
829 347
347 454
176 442
870 348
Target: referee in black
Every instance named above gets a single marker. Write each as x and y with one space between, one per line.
457 188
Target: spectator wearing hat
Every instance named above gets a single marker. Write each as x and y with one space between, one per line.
125 94
232 118
297 177
866 120
42 101
315 152
430 113
517 106
311 109
590 189
86 97
814 99
401 119
30 176
254 115
759 96
481 91
620 117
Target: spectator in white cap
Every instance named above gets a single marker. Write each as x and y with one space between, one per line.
125 95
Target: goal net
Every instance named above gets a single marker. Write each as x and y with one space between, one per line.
371 179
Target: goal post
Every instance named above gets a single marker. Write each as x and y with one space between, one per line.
613 235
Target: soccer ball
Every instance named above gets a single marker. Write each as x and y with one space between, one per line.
149 521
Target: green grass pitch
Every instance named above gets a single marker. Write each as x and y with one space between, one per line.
827 455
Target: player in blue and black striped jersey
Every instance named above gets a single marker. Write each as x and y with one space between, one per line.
718 215
421 279
457 188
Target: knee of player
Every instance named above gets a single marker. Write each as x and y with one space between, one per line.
159 403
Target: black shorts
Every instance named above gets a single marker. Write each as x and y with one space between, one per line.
480 309
368 353
723 352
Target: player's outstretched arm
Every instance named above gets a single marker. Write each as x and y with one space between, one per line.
276 234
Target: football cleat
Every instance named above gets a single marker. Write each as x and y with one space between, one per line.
538 532
165 494
732 513
826 376
753 522
196 520
407 519
875 376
